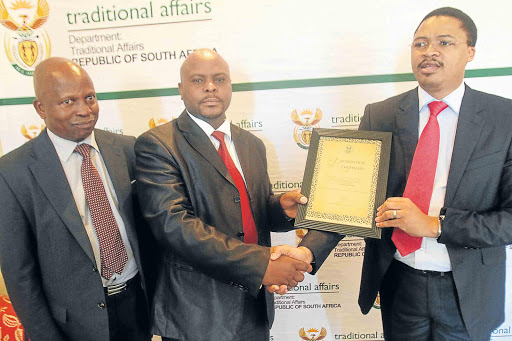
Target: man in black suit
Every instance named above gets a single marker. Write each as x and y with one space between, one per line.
451 285
68 241
204 189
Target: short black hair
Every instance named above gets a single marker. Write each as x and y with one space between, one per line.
467 23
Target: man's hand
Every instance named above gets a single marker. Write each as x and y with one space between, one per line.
290 202
285 271
276 289
301 253
408 217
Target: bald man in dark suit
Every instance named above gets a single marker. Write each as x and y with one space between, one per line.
62 284
214 243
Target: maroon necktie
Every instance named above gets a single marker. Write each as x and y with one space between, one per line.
250 235
112 251
420 183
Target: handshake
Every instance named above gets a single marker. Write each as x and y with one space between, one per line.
286 267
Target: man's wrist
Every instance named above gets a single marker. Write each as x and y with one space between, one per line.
440 225
309 254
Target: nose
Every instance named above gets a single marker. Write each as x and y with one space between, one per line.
83 108
431 49
211 87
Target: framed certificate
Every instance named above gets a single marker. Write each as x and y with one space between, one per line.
345 181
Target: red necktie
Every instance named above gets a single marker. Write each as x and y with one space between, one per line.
250 235
420 183
112 251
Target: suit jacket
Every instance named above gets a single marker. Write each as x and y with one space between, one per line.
478 202
193 208
46 257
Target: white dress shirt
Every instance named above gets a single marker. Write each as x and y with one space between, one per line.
433 255
225 127
72 162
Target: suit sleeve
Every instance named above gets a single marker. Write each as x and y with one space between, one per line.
481 229
18 258
364 124
166 205
278 220
321 244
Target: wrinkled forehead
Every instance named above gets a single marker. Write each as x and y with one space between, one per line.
63 82
52 72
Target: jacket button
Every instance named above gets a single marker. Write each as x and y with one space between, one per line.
240 234
101 305
95 269
237 199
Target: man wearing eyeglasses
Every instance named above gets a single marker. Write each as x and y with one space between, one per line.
440 265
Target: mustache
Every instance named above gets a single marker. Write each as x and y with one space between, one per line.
430 60
210 97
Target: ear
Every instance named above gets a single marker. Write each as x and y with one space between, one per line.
471 53
180 89
39 108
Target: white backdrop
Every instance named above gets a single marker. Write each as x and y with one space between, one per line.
325 59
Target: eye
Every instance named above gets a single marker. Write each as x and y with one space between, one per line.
420 44
445 43
67 101
90 98
220 79
197 80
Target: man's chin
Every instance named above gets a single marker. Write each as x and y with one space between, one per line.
80 134
211 114
429 81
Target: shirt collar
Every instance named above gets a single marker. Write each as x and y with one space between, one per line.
454 99
225 127
65 148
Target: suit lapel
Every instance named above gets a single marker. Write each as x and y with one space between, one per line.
196 137
49 174
243 151
469 128
117 167
407 122
116 164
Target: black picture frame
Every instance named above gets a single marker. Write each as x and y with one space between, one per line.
340 161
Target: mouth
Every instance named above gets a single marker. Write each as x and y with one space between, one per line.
211 101
430 66
84 125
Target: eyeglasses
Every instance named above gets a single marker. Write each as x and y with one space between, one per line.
438 45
